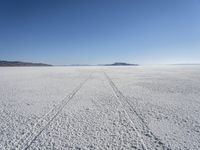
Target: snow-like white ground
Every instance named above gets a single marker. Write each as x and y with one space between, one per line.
142 107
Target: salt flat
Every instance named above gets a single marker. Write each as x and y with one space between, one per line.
141 107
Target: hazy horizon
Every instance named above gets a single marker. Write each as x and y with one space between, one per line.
100 32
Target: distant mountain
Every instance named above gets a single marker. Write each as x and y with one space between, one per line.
19 63
121 64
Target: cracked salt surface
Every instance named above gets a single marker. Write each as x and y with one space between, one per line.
144 107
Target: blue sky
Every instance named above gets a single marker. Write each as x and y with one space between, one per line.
100 31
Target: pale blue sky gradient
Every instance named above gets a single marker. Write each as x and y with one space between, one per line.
100 31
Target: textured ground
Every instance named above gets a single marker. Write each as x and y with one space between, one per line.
142 107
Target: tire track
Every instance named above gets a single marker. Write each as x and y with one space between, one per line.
137 144
148 139
29 137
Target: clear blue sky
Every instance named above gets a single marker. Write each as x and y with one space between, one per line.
100 31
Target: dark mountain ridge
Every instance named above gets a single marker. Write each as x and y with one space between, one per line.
121 64
4 63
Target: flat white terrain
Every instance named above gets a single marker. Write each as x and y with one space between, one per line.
141 107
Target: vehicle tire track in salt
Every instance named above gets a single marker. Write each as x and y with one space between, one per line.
29 137
121 118
148 139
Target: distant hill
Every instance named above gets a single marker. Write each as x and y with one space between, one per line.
121 64
19 63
